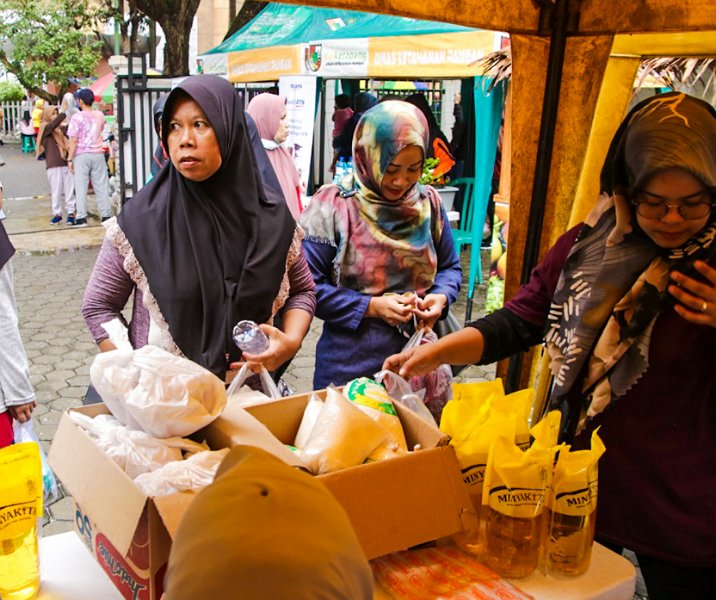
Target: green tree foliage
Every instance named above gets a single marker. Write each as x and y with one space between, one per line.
11 92
45 41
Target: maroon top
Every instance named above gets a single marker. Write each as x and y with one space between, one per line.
657 478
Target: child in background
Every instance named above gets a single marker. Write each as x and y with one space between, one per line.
36 120
27 132
341 115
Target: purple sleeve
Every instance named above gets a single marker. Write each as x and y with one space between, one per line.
341 306
449 276
302 292
107 291
532 300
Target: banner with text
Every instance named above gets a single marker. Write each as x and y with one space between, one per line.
300 92
264 64
337 58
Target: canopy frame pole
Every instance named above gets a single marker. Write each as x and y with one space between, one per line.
559 14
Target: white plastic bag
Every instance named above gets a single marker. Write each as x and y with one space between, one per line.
134 451
342 437
400 390
310 416
25 432
244 396
194 473
155 391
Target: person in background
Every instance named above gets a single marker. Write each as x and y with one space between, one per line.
628 301
204 245
68 106
381 255
37 114
279 532
438 146
159 158
85 158
458 143
343 143
269 113
27 132
17 398
53 143
341 116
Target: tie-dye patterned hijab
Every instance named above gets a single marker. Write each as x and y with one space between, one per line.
381 245
613 285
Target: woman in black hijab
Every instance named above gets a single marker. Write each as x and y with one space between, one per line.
204 244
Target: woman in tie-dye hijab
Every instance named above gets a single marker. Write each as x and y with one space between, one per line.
382 254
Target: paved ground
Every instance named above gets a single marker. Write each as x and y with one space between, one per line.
51 269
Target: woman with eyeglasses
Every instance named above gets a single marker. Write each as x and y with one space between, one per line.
626 303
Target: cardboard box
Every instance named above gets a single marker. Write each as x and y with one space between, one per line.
392 505
128 532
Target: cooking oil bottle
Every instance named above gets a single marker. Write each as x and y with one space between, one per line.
572 510
20 507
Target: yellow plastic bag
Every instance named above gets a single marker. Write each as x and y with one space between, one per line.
20 509
572 508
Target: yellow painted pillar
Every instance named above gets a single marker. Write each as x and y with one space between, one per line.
614 97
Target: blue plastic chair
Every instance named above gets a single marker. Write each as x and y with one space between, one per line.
462 236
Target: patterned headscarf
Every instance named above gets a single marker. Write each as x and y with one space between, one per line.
613 286
382 245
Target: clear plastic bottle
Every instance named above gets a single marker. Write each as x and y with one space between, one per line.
512 543
249 337
569 546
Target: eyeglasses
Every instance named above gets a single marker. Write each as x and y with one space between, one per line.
652 206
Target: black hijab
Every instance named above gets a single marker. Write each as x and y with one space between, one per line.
214 252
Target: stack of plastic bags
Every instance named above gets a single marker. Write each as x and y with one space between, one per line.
156 399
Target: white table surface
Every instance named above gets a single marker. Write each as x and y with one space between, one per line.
69 572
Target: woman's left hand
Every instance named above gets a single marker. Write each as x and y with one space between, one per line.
430 308
697 300
281 348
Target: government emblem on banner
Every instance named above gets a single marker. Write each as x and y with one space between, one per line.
313 57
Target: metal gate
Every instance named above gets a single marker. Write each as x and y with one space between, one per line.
136 95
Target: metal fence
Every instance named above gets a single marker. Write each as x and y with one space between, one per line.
11 113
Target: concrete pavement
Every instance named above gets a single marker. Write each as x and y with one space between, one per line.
51 268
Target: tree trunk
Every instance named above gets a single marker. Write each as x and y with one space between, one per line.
175 17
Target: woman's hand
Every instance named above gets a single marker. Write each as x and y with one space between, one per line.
281 348
697 300
22 412
418 360
393 309
430 308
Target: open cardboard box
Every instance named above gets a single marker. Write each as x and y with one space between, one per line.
392 505
128 532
